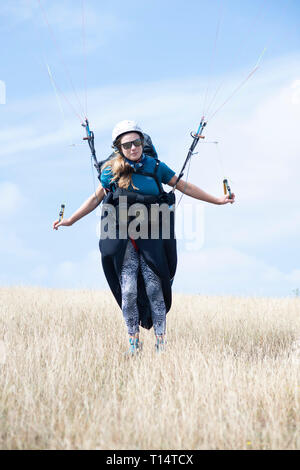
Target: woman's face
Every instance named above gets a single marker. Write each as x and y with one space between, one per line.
135 151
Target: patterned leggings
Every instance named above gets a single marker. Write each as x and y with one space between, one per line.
128 280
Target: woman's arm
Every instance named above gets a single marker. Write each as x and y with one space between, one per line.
192 190
88 206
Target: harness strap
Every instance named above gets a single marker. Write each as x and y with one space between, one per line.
134 197
152 175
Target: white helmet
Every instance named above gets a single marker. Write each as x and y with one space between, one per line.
123 127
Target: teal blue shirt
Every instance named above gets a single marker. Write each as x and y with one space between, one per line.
146 184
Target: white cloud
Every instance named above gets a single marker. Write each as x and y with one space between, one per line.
18 11
33 141
12 243
2 92
83 273
296 92
66 20
275 227
10 198
39 274
294 276
80 274
222 270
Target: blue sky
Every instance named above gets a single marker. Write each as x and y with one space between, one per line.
153 62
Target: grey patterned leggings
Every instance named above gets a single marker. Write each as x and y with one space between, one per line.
128 280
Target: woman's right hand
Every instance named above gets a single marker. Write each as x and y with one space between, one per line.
58 223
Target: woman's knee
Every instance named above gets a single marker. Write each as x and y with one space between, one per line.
129 299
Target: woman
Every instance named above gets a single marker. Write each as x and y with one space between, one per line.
139 270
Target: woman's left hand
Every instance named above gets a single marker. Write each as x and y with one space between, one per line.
227 199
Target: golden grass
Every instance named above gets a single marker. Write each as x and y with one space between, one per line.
228 380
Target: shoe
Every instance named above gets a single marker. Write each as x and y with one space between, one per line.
135 346
160 345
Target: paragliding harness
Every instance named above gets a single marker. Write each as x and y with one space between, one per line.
159 253
114 192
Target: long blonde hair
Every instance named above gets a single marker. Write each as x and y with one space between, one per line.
121 170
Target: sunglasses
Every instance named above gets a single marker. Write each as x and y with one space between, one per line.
128 145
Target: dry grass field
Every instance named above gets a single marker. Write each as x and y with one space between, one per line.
228 380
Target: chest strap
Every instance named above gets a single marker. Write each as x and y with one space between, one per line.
152 175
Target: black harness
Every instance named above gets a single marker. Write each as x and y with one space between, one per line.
134 197
160 254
